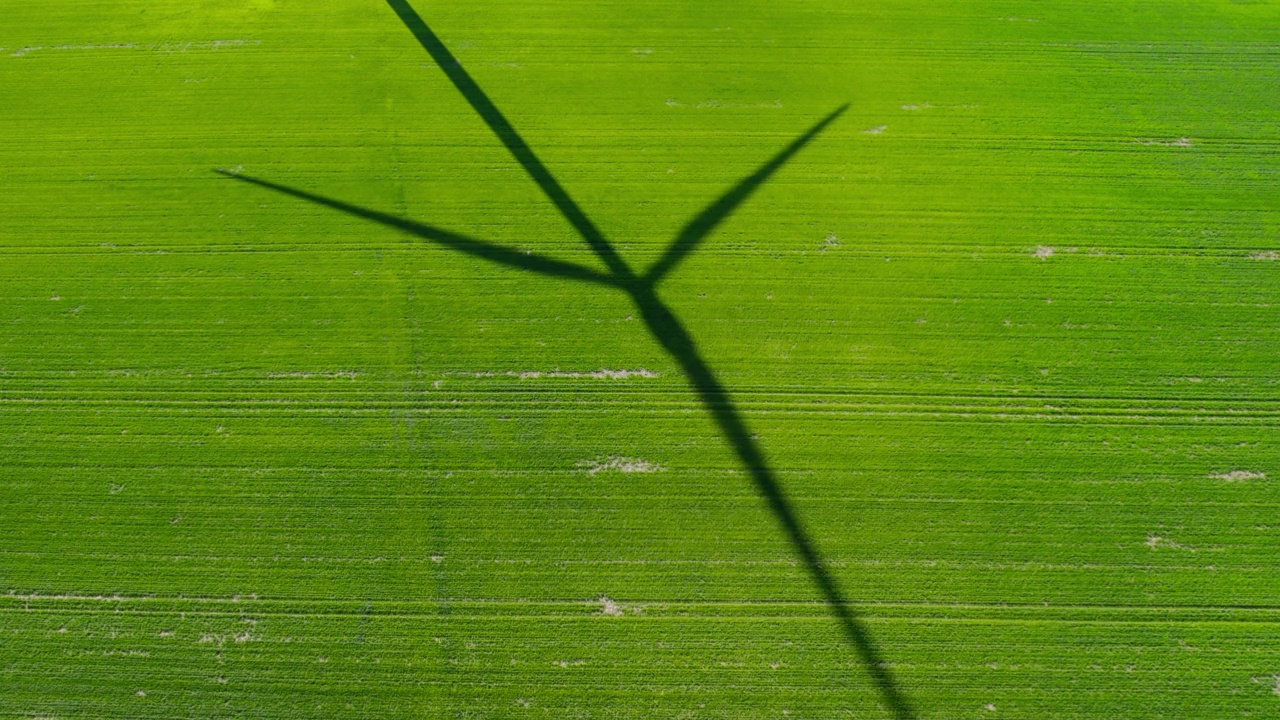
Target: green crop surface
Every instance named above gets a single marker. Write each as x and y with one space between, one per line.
578 359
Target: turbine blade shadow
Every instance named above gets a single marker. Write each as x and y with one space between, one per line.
661 322
667 330
706 221
507 134
461 243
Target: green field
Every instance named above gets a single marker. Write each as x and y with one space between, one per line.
968 409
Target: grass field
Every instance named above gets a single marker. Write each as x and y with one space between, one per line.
1003 336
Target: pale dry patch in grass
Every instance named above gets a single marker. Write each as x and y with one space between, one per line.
1239 476
36 48
609 607
612 608
601 374
182 47
615 463
1043 252
875 130
349 374
1155 542
1265 255
1180 142
66 596
126 653
718 104
152 47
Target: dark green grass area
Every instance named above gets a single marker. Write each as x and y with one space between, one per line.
1005 334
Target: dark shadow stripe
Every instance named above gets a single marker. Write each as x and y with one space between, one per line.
677 341
706 221
462 243
507 134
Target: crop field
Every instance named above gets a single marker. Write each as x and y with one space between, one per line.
578 359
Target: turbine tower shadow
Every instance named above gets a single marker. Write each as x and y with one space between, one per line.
661 322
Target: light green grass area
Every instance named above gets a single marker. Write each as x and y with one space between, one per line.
1007 333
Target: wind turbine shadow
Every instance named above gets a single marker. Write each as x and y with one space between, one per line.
702 224
671 334
662 323
508 136
477 248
